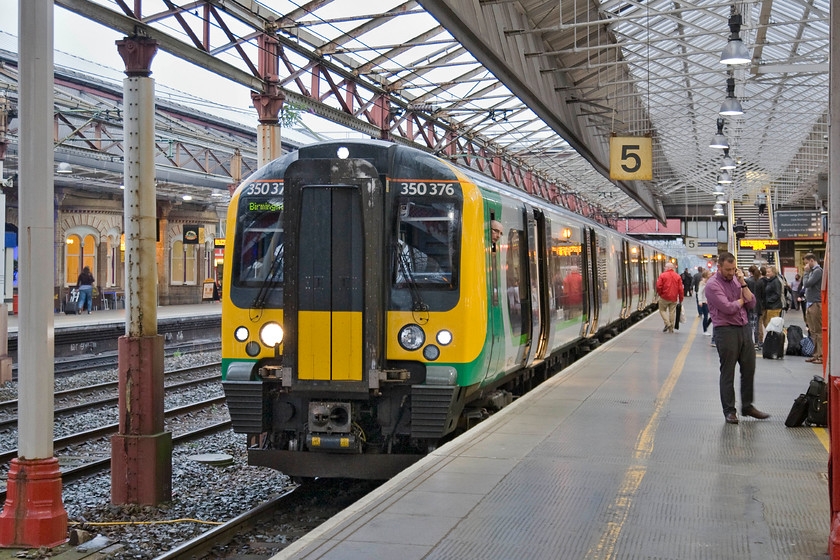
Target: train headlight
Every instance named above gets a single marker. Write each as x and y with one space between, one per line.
271 334
241 334
411 337
444 337
431 352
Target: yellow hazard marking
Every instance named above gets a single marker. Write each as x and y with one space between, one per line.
619 510
344 442
822 435
316 441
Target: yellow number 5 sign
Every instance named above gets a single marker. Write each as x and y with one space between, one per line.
631 158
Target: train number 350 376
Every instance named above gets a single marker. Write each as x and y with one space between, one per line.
431 189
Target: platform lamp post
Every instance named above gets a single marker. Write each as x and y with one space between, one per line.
34 515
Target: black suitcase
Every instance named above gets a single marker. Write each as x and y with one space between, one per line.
794 340
773 347
798 412
817 396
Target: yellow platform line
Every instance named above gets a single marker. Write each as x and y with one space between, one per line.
822 435
619 510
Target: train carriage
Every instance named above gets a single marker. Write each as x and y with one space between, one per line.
379 299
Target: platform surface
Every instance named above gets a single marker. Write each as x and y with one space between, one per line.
623 455
113 316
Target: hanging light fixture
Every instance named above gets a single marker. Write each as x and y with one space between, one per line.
718 191
735 52
720 200
719 141
731 106
728 162
724 178
64 168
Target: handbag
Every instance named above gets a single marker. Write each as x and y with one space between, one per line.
806 346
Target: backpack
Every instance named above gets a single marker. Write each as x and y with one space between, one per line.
773 347
794 339
817 396
806 346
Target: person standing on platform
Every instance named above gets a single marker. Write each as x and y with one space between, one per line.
695 283
85 286
754 314
794 291
773 296
669 286
813 304
729 298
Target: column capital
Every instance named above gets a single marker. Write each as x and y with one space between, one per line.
137 54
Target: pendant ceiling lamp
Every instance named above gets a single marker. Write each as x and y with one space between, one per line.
727 163
735 52
731 106
719 141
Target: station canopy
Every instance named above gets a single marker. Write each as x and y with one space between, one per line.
542 84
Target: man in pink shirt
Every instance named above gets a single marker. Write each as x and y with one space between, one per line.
669 286
729 298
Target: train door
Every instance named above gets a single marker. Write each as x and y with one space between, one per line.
625 279
334 311
538 283
593 296
643 286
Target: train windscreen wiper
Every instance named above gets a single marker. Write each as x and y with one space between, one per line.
417 303
270 280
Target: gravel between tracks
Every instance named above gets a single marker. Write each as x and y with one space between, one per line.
199 491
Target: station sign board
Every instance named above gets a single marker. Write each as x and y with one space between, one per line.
701 246
799 224
759 244
631 158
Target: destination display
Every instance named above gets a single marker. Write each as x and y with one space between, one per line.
799 224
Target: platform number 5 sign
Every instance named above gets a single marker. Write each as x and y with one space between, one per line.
630 158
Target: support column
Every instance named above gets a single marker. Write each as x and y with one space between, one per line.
34 515
269 103
141 452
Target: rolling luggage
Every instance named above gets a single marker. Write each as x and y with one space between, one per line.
774 346
817 396
798 412
794 339
72 302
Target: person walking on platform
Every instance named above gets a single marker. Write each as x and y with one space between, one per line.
85 286
669 286
813 303
704 305
729 298
695 283
687 281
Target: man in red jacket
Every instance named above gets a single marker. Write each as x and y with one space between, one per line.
669 286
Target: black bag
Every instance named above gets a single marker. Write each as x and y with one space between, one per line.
773 347
794 339
677 316
817 396
798 412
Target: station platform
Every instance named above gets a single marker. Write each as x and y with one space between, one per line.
625 454
117 316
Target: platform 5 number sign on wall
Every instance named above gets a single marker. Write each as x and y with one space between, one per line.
631 158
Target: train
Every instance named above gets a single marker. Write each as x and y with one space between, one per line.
378 300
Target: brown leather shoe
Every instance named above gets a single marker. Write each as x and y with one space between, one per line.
731 418
755 413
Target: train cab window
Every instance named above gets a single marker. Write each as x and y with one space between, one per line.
258 248
427 245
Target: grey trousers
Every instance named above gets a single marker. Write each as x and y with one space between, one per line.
735 346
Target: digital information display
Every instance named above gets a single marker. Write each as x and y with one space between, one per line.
799 224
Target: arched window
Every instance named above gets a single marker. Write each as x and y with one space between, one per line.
183 264
89 253
73 262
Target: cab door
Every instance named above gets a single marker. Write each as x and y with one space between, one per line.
334 309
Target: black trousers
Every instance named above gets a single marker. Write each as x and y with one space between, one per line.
735 346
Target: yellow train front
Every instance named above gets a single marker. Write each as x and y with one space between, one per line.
370 310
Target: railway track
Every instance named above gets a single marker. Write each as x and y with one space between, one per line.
9 408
